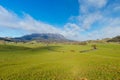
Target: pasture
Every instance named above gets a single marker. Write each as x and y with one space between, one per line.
59 62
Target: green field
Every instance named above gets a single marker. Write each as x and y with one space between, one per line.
59 62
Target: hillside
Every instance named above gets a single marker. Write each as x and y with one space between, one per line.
115 39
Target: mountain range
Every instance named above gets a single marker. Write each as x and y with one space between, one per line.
43 37
37 37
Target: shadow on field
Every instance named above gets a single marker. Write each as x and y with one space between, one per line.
13 48
83 51
46 48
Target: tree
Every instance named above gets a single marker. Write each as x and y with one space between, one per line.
94 46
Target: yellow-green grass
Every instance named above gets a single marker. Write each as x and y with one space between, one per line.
59 62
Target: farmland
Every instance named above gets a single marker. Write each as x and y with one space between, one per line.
59 62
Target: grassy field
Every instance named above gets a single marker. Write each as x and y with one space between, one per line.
59 62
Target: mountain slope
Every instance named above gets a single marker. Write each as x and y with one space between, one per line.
41 37
115 39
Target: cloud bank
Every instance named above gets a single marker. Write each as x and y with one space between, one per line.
95 21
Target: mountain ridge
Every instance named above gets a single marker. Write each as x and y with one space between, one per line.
37 37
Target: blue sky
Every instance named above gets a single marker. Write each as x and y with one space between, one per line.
56 12
75 19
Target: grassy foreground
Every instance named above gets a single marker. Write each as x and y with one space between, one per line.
59 62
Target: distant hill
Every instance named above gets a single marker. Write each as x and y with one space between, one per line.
5 39
41 37
115 39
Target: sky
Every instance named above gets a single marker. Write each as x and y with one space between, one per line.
75 19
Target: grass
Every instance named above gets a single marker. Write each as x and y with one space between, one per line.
59 62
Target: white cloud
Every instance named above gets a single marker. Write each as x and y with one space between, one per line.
33 25
106 32
96 3
71 27
72 31
86 5
7 18
117 8
86 21
110 28
11 20
91 14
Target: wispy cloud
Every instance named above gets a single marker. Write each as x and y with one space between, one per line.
26 22
91 5
96 13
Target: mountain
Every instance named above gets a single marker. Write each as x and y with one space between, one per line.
115 39
5 39
41 37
